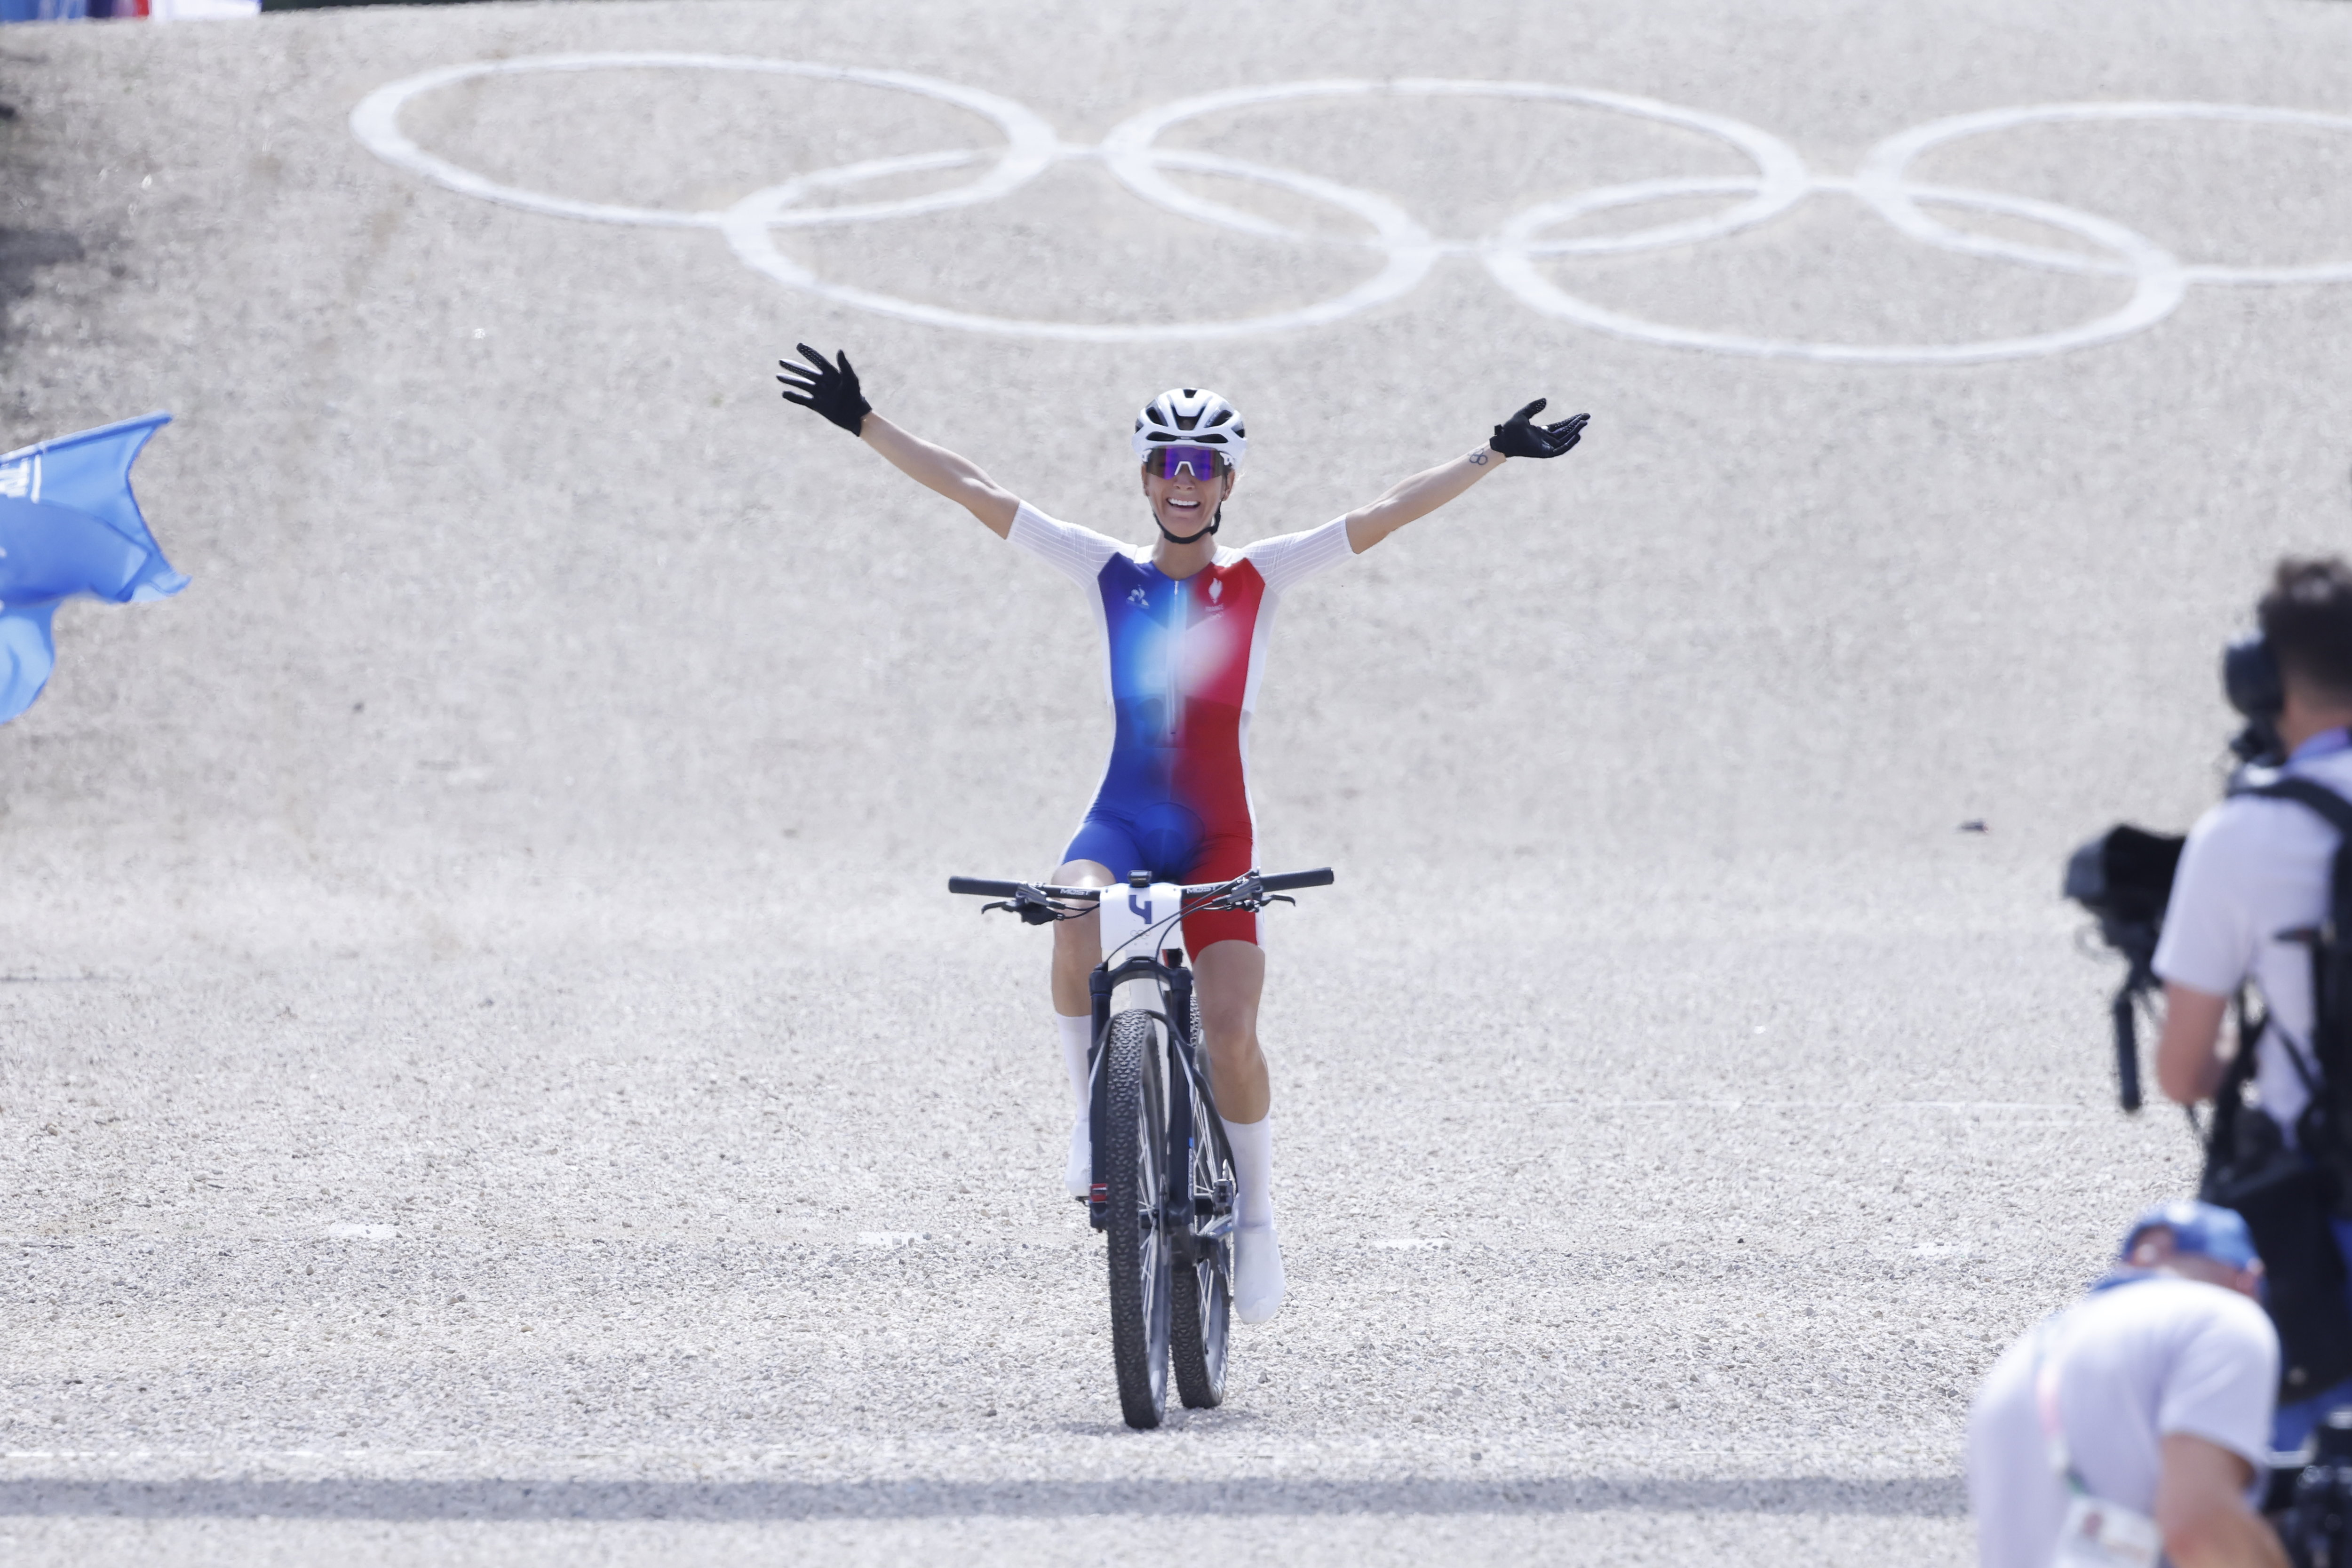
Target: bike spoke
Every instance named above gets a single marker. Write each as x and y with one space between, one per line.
1203 1289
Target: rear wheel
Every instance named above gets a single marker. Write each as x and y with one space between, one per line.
1133 1195
1201 1306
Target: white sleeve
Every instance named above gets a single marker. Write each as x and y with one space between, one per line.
2222 1381
1289 559
2209 940
1078 554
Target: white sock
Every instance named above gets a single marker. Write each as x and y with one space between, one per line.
1253 1145
1078 1040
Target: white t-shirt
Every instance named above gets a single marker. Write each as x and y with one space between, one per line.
2136 1364
2254 867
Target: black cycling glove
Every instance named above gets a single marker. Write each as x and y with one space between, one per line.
1519 437
831 390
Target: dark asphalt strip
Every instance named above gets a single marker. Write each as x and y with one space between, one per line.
744 1501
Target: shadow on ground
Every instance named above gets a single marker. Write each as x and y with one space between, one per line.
739 1501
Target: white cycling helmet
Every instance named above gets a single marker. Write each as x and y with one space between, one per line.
1191 417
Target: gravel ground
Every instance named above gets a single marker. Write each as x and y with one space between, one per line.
487 1069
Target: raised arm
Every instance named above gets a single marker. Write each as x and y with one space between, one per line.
1424 492
831 390
957 477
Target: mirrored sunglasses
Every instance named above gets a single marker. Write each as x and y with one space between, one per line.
1170 461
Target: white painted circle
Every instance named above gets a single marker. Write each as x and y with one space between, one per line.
1408 249
2159 281
1029 142
1884 178
1130 149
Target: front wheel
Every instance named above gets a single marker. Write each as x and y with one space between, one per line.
1134 1188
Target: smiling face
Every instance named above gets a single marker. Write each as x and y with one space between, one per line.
1184 505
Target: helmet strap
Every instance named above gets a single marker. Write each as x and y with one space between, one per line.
1191 538
1215 524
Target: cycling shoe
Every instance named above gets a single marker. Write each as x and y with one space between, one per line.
1258 1273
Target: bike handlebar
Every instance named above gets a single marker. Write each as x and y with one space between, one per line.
983 889
1280 882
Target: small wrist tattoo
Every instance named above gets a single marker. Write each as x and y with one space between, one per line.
1479 457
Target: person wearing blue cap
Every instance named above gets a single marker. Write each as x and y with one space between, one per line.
2133 1427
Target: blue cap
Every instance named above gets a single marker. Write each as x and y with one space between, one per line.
2201 1228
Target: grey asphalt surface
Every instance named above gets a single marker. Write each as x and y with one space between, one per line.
489 1070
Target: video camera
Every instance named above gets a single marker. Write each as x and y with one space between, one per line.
2310 1503
2124 876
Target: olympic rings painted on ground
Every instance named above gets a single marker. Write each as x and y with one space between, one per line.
1403 249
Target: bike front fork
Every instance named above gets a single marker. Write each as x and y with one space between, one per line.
1176 997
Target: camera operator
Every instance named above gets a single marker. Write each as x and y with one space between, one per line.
2254 869
2136 1421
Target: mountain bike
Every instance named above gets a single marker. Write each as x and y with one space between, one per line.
1163 1175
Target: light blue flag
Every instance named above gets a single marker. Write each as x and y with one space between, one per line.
68 524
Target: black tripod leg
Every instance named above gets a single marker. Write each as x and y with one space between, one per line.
2126 1046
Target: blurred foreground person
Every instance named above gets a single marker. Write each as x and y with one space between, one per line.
2133 1427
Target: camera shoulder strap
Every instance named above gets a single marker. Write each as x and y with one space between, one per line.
2307 793
2251 1026
2331 1033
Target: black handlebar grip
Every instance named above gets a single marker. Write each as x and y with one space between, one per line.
1284 881
983 889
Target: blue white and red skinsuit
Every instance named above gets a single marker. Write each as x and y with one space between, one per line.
1182 661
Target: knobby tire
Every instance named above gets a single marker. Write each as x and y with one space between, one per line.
1133 1194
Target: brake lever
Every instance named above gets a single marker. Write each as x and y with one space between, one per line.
1240 899
1034 909
1247 893
1037 910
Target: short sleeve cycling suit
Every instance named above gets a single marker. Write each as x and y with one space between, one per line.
1182 661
